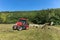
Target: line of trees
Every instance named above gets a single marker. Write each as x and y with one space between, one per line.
38 17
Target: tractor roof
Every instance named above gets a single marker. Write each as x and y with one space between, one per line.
22 19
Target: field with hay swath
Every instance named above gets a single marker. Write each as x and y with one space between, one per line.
6 33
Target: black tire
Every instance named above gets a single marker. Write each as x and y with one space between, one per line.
14 27
19 28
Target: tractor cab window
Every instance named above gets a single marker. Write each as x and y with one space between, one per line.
23 21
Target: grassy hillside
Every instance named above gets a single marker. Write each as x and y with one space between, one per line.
37 17
6 33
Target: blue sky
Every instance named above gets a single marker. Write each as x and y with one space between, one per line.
28 5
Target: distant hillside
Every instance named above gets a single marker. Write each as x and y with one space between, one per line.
39 16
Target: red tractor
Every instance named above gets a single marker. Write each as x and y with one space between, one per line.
21 24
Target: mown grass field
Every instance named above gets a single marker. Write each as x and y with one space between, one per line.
6 33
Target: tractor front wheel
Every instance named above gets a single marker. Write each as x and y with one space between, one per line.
19 28
14 27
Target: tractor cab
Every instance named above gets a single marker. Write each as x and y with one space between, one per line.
21 24
23 20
